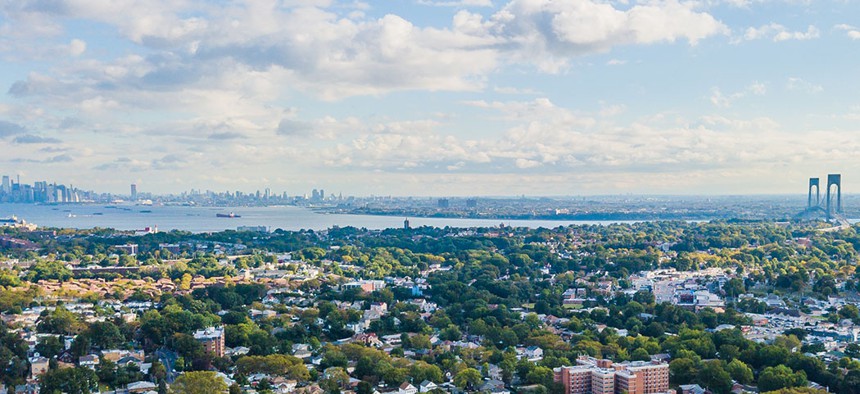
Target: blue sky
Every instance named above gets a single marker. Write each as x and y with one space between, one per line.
431 97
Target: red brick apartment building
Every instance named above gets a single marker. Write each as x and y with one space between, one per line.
593 376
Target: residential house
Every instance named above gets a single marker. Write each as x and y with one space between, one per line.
427 386
302 350
407 388
141 387
90 361
38 366
129 361
531 353
282 385
691 389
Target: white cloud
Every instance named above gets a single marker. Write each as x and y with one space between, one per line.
611 110
513 90
526 163
458 3
548 32
851 31
317 51
757 88
799 84
539 109
778 32
719 99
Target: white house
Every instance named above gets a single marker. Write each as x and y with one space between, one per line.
427 386
531 353
407 388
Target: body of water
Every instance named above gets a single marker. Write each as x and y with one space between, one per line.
204 219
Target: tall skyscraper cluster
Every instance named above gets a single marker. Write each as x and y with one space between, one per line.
44 192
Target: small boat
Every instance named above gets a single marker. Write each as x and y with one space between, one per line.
145 211
97 213
227 215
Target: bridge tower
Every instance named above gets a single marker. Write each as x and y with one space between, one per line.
813 183
834 180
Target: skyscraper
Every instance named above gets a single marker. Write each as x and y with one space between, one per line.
133 192
7 185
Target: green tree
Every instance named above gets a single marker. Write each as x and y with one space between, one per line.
76 380
364 388
49 346
198 382
640 354
734 287
420 341
849 311
740 372
104 335
49 270
850 383
540 375
106 372
780 376
334 379
157 371
60 321
468 378
729 352
683 370
80 346
451 333
789 342
421 371
713 376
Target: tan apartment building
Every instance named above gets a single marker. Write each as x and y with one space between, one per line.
212 339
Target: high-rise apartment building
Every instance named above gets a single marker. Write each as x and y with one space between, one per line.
212 339
594 376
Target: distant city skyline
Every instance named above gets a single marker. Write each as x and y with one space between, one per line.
10 184
431 98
